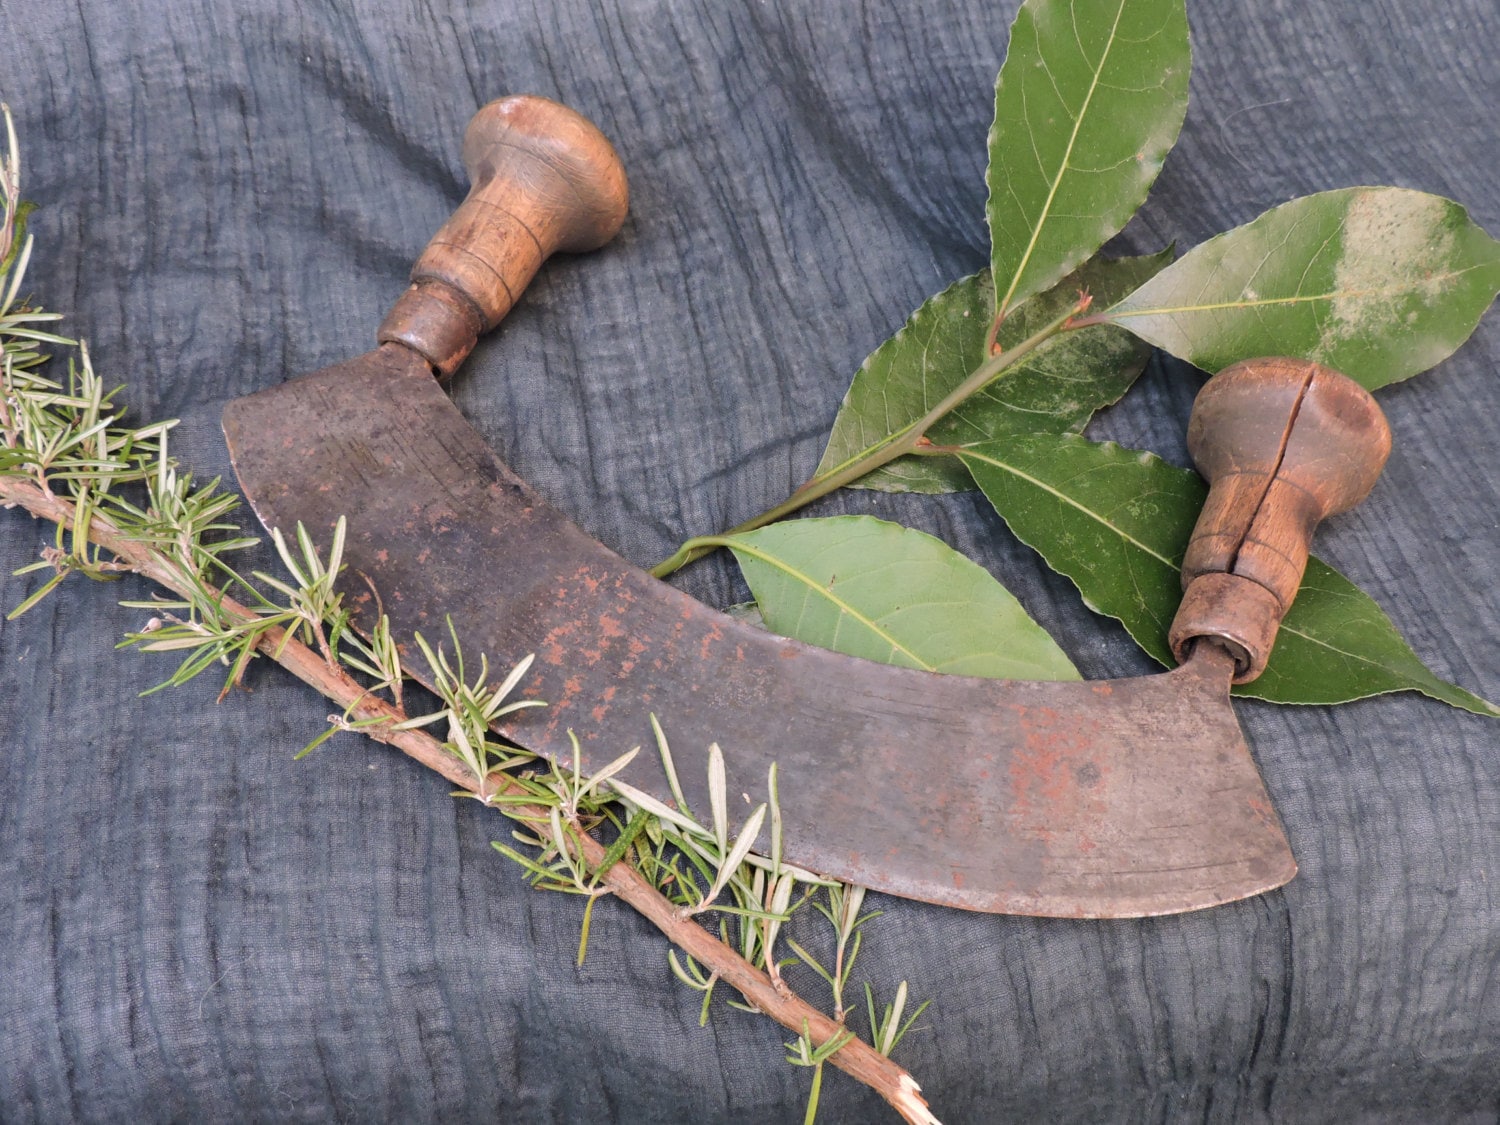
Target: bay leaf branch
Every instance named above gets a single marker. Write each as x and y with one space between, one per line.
1058 387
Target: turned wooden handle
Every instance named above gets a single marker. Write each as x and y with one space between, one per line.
543 179
1283 443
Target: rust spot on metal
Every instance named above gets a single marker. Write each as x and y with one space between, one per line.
1053 770
553 650
1260 805
710 638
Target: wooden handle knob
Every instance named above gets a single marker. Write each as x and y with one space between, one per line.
543 179
1283 443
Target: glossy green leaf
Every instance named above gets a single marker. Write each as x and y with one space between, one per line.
1089 101
1342 635
869 588
1116 521
1057 388
1380 283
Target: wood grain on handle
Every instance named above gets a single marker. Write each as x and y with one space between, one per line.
1283 443
543 179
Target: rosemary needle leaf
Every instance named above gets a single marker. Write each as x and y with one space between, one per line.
608 771
742 845
669 766
41 593
652 805
718 795
516 673
811 962
583 932
621 845
315 743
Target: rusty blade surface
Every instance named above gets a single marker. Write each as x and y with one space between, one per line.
1091 800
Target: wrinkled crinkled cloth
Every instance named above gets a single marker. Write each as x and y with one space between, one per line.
195 927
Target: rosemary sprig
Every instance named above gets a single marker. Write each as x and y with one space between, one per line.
470 707
122 504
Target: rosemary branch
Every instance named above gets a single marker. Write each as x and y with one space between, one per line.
381 721
62 459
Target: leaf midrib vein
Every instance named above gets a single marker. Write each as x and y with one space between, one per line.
822 591
1083 111
1065 498
1116 314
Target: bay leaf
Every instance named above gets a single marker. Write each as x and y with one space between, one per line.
1342 635
1116 521
1088 102
869 588
1378 282
1057 388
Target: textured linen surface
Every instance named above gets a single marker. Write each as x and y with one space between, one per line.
194 927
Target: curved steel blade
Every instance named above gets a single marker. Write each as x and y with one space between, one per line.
1103 799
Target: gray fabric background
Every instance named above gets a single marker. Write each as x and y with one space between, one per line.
194 927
